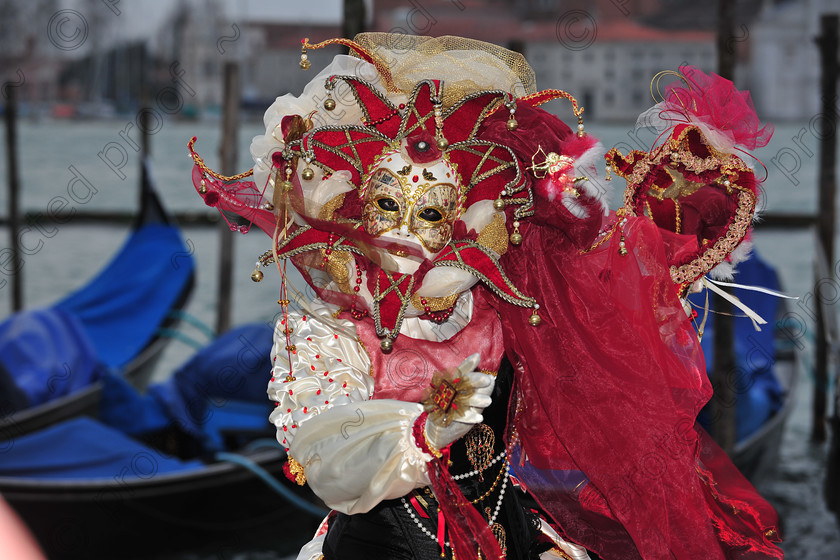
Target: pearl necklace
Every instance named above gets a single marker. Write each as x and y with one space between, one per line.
419 524
493 517
479 471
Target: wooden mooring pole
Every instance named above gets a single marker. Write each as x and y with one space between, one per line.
353 22
724 370
229 153
145 138
16 263
828 46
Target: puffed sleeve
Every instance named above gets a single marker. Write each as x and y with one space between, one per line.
324 366
355 451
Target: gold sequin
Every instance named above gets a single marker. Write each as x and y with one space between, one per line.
494 236
329 208
336 267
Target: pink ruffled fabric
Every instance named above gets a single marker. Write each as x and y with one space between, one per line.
715 101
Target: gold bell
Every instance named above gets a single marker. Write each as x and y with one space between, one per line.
257 275
304 60
307 174
202 189
534 320
329 104
387 344
516 237
512 124
499 204
442 143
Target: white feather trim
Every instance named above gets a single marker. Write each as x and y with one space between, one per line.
725 271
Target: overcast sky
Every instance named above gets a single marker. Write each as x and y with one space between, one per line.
139 18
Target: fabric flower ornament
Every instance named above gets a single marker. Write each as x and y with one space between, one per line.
725 115
716 102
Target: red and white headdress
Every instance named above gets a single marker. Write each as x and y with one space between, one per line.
368 113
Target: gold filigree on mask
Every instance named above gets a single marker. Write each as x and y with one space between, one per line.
427 210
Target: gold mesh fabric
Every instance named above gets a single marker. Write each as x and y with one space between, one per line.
464 65
494 236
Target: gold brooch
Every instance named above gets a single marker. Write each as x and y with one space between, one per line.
446 399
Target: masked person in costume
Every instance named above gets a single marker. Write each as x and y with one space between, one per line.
494 365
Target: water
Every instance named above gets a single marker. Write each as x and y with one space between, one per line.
65 259
73 253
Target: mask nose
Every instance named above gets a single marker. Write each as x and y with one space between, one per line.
404 221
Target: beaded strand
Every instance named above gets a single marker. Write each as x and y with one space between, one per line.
493 517
419 524
495 460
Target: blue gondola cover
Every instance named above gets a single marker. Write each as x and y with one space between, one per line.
122 308
223 387
759 393
48 354
82 448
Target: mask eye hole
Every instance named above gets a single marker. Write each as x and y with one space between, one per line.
388 204
431 215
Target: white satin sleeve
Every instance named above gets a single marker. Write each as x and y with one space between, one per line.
328 367
356 456
355 451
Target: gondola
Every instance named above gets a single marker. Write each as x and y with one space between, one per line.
52 359
192 461
767 371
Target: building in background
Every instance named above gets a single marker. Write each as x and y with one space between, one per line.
25 56
605 52
784 66
596 50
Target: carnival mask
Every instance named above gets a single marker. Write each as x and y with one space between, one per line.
412 202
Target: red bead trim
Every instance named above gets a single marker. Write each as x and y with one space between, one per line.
436 316
419 432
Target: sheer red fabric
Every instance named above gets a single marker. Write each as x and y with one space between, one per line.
614 403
